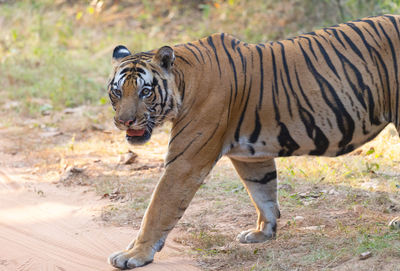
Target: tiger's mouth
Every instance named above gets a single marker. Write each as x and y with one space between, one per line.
132 132
137 137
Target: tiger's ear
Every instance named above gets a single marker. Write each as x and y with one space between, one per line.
120 52
165 57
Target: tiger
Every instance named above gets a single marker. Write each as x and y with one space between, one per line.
323 93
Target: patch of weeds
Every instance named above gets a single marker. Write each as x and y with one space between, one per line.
216 251
389 240
317 255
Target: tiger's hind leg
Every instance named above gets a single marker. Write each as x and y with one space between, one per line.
259 179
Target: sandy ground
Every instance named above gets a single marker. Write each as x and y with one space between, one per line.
48 227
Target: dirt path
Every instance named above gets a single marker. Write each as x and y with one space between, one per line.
45 227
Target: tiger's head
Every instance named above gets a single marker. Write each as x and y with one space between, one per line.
143 92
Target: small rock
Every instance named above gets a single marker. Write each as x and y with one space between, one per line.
299 218
51 134
303 195
69 111
74 110
128 158
365 255
70 173
75 170
333 192
46 112
237 189
310 195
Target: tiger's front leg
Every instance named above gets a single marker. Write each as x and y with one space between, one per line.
170 199
259 179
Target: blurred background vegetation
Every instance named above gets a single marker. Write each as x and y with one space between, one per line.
57 54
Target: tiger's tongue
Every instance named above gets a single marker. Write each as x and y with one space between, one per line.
131 132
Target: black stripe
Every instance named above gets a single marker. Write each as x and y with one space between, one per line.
327 58
335 33
207 51
178 133
275 87
302 91
289 81
310 46
275 103
211 43
372 24
183 59
391 18
182 152
361 35
181 82
244 69
321 142
289 104
266 179
234 43
193 53
169 109
140 70
208 139
237 132
257 128
352 45
260 55
288 144
198 50
251 150
232 64
373 37
394 58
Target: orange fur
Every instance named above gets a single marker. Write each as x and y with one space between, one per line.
322 93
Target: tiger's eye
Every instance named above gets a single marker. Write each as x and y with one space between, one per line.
118 93
145 92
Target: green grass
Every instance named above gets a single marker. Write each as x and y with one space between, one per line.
54 56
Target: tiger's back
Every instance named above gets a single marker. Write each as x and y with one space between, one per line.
323 93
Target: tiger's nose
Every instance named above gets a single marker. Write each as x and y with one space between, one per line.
126 123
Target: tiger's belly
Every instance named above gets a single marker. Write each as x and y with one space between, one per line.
274 144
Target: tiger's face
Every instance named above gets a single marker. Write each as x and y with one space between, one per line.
142 91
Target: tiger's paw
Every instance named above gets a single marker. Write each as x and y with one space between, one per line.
254 236
127 260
